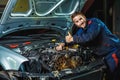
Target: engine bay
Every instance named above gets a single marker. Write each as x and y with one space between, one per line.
51 60
45 59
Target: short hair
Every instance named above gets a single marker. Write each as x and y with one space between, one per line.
77 13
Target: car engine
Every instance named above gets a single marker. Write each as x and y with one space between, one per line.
45 59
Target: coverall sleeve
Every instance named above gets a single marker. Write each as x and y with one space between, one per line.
89 34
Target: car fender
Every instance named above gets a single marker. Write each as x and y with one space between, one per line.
10 60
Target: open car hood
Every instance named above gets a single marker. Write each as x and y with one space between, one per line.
27 14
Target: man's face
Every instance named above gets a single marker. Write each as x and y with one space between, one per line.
80 21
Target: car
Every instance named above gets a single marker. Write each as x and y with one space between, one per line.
29 32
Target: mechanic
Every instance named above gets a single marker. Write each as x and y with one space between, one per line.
95 34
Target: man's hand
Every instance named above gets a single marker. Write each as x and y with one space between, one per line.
60 46
69 38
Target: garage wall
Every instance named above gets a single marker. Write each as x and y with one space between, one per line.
116 18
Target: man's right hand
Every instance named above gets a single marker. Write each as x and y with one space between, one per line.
60 46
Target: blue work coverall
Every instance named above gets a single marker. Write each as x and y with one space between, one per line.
97 36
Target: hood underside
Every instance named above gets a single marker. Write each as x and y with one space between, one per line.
18 14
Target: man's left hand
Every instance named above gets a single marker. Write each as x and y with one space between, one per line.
69 38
